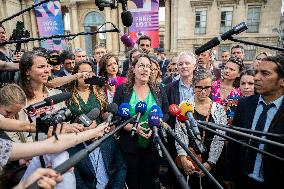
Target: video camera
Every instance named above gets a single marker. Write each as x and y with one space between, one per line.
47 120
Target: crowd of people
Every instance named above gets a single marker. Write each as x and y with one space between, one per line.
232 93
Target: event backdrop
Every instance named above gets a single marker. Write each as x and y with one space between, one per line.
49 22
145 20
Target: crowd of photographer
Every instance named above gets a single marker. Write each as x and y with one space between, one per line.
55 105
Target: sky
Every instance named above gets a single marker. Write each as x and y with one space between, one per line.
282 7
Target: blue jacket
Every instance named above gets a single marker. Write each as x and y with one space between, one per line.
113 161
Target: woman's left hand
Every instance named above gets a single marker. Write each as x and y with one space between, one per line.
73 128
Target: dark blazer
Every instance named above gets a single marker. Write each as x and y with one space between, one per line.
172 91
164 68
273 168
128 143
114 164
167 80
125 67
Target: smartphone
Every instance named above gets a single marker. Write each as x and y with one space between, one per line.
96 80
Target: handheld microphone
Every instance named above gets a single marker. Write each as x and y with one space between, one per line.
227 35
197 141
124 110
127 41
87 119
187 109
175 111
126 16
112 109
112 81
140 109
50 101
157 110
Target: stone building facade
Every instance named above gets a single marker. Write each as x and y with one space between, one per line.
188 23
191 23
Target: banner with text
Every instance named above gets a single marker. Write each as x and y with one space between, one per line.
145 20
49 22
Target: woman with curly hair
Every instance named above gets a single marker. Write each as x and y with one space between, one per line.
155 68
138 150
227 91
85 97
104 167
109 69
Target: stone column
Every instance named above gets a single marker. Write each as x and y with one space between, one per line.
74 25
121 27
167 25
115 42
34 32
109 40
174 25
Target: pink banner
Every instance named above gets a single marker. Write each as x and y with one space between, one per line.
145 20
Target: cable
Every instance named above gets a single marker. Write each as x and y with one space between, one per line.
60 36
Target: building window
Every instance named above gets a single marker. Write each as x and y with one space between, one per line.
250 51
222 48
253 19
226 19
200 21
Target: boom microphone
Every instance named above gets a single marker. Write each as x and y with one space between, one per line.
50 101
227 35
126 16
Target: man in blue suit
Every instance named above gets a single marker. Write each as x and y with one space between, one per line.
263 112
104 168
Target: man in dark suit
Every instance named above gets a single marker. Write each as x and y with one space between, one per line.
163 63
263 112
67 59
103 168
178 91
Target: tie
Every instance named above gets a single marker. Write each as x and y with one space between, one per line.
253 160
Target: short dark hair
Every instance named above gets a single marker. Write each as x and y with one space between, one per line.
144 37
66 55
279 61
238 47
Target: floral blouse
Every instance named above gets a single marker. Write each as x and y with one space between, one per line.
230 102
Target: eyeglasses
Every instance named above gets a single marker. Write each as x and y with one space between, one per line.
201 88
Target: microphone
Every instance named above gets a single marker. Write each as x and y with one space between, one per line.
50 101
187 109
126 16
87 119
175 111
157 110
140 109
124 110
197 141
127 41
227 35
112 109
112 81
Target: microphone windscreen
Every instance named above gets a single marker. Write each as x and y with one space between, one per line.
57 98
141 107
126 18
93 114
154 120
124 110
157 110
112 108
174 109
181 117
112 81
127 41
186 107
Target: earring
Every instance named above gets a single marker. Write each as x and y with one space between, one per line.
28 78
